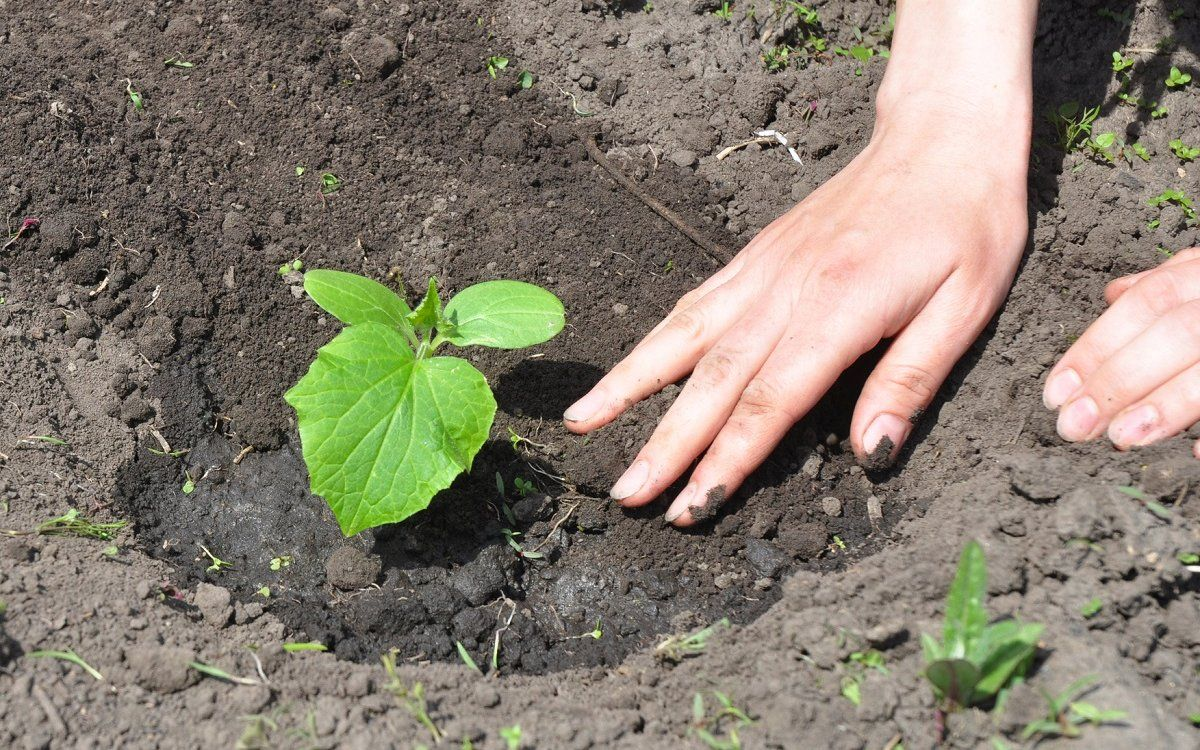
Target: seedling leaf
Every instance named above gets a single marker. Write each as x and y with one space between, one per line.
70 656
954 678
466 657
355 299
503 315
965 615
382 432
221 674
293 648
428 313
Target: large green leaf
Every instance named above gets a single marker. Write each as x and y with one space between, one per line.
354 299
503 315
1010 649
965 613
383 432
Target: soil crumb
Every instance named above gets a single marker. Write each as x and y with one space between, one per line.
713 500
880 458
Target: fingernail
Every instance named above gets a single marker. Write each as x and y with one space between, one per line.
1059 388
585 408
1134 426
1078 418
884 435
681 503
631 481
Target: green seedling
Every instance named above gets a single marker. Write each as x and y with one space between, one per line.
1157 111
511 736
1091 608
1178 79
68 656
466 657
216 564
280 562
669 266
523 486
294 265
1183 151
595 633
510 536
855 668
1073 125
264 592
495 64
1064 716
209 670
293 648
111 551
74 523
189 484
776 58
1180 199
804 14
384 423
525 79
711 728
1124 19
330 183
138 102
300 170
411 699
838 543
177 61
975 660
47 439
171 453
1194 719
679 647
725 12
1120 62
1188 558
1140 151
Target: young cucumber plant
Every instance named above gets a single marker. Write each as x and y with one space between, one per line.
384 423
975 660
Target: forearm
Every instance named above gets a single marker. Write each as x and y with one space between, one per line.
966 65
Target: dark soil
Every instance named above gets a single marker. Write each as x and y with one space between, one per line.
146 315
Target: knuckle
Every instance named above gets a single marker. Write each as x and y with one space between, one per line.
910 381
688 323
1186 318
1159 292
714 370
761 398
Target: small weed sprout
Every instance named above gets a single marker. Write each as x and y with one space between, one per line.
74 523
1120 62
1188 558
525 79
68 656
295 648
776 58
134 96
466 657
975 660
1064 715
177 61
1091 608
217 673
510 536
1178 79
524 486
1073 125
511 736
855 671
411 699
495 64
679 647
280 562
1183 151
1178 198
216 564
330 183
710 728
189 484
725 12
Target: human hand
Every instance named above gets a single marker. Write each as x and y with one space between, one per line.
916 240
1135 372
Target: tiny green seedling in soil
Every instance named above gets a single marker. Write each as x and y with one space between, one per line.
1183 151
280 562
725 12
679 647
1188 558
384 423
510 536
1120 62
74 523
411 699
595 633
177 61
216 564
1178 79
1065 716
264 592
220 674
466 657
511 736
189 484
495 64
1091 608
111 551
523 486
1073 125
294 648
1178 198
711 728
68 656
975 660
47 439
294 265
777 57
855 671
138 102
525 79
330 183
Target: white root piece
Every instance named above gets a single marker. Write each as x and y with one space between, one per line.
762 138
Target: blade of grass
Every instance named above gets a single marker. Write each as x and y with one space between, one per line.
70 656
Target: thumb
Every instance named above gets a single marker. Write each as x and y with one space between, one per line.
910 373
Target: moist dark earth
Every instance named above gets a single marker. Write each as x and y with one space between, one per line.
147 315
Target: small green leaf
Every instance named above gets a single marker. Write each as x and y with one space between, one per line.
1188 558
1094 715
293 648
965 614
220 674
354 299
526 79
70 656
1092 607
466 657
955 679
383 432
1009 658
852 690
503 315
429 312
